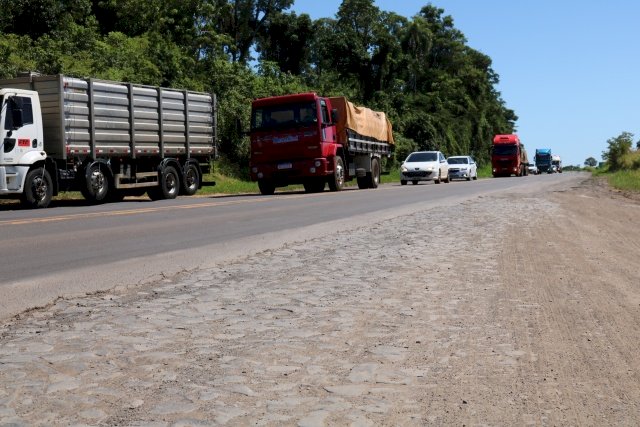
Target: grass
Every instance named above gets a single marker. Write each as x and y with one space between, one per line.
628 180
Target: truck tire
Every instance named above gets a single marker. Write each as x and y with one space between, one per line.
266 187
363 182
191 181
374 175
336 181
314 185
168 187
96 183
403 182
38 189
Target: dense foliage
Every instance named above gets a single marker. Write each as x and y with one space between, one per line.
620 154
438 92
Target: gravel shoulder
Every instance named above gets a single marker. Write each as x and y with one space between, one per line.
524 310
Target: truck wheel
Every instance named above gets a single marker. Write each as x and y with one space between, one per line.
38 189
168 187
414 182
363 182
96 184
191 181
314 185
336 181
403 182
374 176
266 187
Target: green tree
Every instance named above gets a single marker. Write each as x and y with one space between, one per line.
618 148
590 161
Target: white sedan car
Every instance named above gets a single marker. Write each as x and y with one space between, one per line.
424 166
462 167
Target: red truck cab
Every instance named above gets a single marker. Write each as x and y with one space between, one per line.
508 156
293 141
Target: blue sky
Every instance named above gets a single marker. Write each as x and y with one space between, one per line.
570 69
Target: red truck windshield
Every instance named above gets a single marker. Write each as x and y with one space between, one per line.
284 116
505 150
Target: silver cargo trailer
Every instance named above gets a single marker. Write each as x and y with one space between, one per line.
105 139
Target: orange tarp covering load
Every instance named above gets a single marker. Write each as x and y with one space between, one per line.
366 122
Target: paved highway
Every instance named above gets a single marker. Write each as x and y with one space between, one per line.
72 248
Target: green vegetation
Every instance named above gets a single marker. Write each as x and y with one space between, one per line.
439 93
622 167
625 180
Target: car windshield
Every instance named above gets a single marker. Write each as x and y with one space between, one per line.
458 160
284 116
422 157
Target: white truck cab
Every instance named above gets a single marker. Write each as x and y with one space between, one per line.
22 157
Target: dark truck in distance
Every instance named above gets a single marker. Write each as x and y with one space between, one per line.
508 156
543 160
313 140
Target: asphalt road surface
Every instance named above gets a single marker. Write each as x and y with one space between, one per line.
72 249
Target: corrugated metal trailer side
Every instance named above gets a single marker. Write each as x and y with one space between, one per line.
94 117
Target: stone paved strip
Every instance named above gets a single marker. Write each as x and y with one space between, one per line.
362 327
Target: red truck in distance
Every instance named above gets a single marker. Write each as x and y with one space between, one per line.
508 156
312 140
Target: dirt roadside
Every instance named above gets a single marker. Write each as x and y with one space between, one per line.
520 309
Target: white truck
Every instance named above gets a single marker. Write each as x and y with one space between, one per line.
104 139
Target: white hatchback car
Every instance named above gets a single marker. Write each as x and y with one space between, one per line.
462 167
424 166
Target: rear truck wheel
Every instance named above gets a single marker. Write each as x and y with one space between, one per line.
38 189
336 181
403 182
168 187
314 185
266 187
374 176
96 183
414 182
363 182
191 181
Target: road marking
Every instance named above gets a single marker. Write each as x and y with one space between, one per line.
71 217
137 211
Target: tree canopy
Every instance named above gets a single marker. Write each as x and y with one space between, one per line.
438 92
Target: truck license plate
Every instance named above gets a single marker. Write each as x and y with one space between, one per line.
284 166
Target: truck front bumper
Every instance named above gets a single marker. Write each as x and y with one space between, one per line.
12 179
290 171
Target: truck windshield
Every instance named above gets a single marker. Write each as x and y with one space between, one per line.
505 150
284 116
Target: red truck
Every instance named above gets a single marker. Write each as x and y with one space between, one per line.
312 140
508 156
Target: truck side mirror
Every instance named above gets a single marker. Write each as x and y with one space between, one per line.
16 114
334 115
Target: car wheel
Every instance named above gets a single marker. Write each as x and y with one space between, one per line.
437 180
